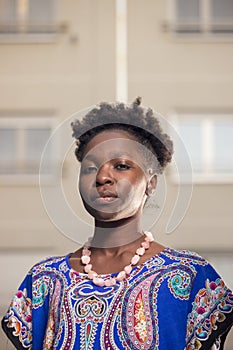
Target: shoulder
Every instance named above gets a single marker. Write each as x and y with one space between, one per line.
196 265
51 265
185 256
206 280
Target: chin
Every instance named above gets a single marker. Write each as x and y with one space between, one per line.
101 216
110 217
120 219
105 217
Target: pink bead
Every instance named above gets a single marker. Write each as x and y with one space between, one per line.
98 281
149 237
140 251
128 269
85 259
91 274
135 259
121 276
145 245
87 268
86 251
110 282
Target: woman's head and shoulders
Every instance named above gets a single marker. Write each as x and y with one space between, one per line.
122 150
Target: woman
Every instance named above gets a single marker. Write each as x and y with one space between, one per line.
121 290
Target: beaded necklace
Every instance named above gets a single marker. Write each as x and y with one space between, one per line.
100 281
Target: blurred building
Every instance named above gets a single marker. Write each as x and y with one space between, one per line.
58 57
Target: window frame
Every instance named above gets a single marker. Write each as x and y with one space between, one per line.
21 29
206 23
207 176
34 121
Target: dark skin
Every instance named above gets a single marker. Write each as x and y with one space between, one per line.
114 185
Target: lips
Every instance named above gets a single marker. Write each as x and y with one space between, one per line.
105 197
107 194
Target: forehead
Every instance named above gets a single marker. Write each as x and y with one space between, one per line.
112 144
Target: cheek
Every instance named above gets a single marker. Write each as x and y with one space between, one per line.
80 185
129 189
123 187
84 186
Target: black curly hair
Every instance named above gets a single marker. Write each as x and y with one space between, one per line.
140 122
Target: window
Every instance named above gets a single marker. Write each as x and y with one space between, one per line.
22 140
209 142
31 17
201 17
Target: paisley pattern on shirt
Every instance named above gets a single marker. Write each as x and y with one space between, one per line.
174 299
210 306
19 317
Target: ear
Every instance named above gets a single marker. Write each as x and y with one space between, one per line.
151 185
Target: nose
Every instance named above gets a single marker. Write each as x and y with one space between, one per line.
104 176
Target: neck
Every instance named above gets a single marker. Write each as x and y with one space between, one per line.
116 234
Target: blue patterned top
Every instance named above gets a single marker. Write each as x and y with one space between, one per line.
175 300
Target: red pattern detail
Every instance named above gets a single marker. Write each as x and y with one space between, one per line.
140 326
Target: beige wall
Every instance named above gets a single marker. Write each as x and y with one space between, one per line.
64 76
187 75
78 70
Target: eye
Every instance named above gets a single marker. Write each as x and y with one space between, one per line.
122 166
88 169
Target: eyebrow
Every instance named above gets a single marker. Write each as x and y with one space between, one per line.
113 155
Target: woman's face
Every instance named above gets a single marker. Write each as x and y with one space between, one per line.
113 177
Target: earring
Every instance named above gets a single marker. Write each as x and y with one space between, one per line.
151 192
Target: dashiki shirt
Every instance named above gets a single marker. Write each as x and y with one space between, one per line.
173 301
